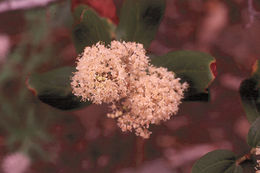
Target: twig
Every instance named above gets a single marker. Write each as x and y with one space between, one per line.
139 151
11 5
253 152
245 157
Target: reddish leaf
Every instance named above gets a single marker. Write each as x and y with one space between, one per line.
105 8
213 68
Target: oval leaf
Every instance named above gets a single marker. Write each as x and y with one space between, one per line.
192 67
249 94
234 169
89 28
253 137
218 161
139 20
53 88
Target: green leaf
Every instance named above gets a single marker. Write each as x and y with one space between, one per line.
253 137
250 92
234 169
53 88
192 67
139 20
89 28
218 161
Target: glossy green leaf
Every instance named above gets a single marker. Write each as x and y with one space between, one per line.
139 20
249 95
250 92
192 67
234 169
53 88
89 28
218 161
253 137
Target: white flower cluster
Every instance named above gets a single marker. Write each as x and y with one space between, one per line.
16 163
139 93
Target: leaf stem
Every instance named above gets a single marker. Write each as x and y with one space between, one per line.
245 157
140 142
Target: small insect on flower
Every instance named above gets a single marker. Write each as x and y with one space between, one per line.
121 75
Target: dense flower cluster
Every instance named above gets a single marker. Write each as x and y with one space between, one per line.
16 163
139 93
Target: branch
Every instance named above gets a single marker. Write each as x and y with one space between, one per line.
253 152
140 142
11 5
246 157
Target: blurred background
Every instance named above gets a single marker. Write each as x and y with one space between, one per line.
35 36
